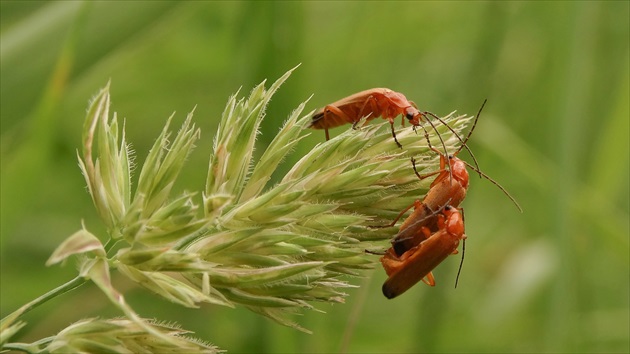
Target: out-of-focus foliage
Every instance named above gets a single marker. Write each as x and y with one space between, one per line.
554 133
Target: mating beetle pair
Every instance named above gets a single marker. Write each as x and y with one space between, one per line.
435 228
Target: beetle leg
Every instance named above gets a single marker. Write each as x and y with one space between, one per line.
429 279
391 123
368 114
415 204
335 111
421 177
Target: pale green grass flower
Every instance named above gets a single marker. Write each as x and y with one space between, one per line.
121 335
274 248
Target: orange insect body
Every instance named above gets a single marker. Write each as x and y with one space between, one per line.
418 262
448 188
372 103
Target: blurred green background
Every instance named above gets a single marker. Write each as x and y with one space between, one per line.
555 133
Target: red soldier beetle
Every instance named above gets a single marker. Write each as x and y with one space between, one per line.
416 263
372 103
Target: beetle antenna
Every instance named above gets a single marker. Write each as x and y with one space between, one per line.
443 144
461 263
473 127
496 184
426 134
464 145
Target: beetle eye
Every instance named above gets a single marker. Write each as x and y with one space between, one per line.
409 116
